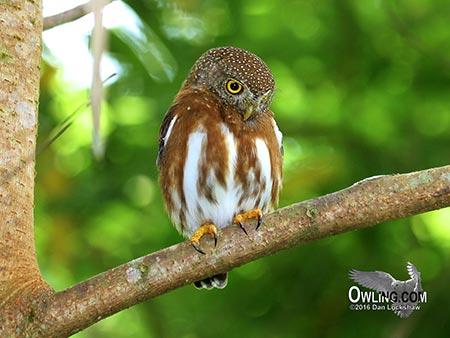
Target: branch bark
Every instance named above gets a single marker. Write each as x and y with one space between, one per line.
68 16
364 204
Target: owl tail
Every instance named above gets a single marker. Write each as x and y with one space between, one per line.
218 281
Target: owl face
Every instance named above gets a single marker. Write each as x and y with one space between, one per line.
239 78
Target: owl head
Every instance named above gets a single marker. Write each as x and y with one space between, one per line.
239 78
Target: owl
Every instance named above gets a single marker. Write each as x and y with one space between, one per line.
220 149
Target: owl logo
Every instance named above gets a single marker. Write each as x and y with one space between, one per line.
403 296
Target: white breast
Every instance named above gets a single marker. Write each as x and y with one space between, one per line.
229 199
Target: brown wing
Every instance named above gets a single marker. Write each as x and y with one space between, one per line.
166 123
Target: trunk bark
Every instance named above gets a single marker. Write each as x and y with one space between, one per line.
21 284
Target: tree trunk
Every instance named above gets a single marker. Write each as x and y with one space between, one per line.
21 284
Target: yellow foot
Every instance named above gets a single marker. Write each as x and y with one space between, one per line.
241 218
205 228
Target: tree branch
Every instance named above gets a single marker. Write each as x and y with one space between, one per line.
67 16
364 204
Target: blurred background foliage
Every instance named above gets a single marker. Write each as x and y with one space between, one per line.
363 90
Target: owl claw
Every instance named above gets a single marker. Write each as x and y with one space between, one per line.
198 248
242 227
241 218
259 221
216 237
206 228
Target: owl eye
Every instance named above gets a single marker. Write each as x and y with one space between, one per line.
234 87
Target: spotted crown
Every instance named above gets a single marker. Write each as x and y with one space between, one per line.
235 62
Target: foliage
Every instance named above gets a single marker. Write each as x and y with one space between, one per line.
362 90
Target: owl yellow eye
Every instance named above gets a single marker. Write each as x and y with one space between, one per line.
234 87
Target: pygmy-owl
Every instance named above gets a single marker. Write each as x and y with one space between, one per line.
220 150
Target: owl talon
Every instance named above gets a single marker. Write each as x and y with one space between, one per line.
216 237
242 227
206 228
241 218
198 248
259 221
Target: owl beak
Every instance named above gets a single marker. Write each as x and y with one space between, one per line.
257 106
248 112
